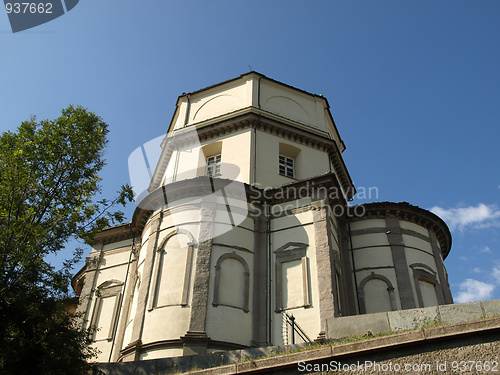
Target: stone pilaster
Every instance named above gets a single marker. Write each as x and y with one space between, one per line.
260 282
405 289
348 276
324 262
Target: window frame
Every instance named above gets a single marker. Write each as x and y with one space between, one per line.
215 163
288 164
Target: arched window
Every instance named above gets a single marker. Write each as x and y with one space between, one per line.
232 282
376 294
172 271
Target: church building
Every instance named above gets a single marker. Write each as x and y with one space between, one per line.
244 226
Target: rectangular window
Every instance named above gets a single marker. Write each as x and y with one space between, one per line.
286 166
213 165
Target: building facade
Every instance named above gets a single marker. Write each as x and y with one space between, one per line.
246 222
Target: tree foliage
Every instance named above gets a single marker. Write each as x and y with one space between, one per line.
49 177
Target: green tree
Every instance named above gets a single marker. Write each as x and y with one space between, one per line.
49 177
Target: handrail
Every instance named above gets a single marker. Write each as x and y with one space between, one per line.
290 319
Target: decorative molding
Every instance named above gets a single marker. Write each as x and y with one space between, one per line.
263 121
235 247
373 230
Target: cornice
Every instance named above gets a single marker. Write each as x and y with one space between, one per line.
295 190
203 186
264 121
115 233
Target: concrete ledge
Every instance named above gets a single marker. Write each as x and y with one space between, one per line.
394 321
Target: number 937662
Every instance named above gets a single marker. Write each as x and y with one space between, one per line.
32 8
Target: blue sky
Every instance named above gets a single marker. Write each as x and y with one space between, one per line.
414 87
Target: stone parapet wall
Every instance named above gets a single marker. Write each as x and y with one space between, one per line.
394 321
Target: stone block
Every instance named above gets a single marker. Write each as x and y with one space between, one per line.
462 312
357 325
412 319
491 308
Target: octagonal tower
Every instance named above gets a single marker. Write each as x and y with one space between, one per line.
245 222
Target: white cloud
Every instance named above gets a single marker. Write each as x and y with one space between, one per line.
480 216
496 274
485 249
473 290
477 270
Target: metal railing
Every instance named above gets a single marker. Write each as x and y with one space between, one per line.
290 319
